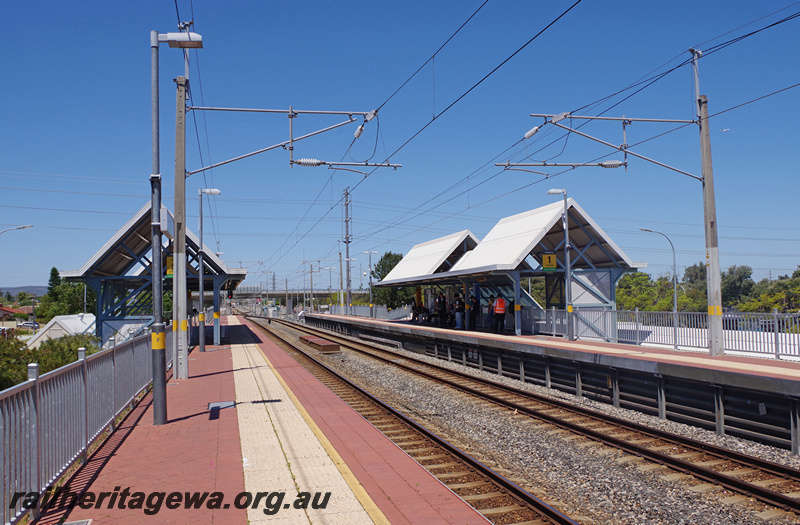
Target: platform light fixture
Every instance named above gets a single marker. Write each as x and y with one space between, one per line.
183 40
17 228
674 283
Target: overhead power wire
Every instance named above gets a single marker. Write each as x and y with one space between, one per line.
467 92
433 55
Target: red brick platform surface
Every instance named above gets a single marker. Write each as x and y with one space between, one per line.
404 491
198 450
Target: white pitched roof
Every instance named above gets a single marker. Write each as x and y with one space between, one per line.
512 239
64 325
426 258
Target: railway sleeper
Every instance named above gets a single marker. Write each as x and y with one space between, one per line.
470 485
496 511
479 497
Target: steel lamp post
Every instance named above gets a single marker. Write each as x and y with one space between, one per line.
674 284
179 40
567 264
201 322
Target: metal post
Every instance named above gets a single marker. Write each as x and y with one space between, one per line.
201 319
85 418
568 276
517 307
341 294
371 305
216 312
794 423
777 332
36 432
674 285
180 321
713 276
347 244
159 357
662 397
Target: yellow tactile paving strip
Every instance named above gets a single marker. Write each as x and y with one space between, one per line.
280 451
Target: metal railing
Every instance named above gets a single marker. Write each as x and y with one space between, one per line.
774 335
49 421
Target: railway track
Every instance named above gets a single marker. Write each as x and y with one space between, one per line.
768 482
496 497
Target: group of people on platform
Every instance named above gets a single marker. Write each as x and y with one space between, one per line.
446 314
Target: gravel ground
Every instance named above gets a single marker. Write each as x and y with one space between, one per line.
588 483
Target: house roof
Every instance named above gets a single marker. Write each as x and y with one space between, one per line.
70 324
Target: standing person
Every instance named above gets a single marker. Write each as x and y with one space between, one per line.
459 312
499 310
474 312
490 313
440 305
414 311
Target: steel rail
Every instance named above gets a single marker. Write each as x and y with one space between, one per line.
763 494
517 492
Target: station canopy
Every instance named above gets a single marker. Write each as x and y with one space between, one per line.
120 271
516 244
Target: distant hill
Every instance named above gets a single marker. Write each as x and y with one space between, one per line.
36 291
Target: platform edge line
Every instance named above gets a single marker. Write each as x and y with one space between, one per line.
370 507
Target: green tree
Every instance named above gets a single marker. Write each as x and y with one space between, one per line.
52 354
66 299
53 283
391 297
783 295
537 288
636 290
695 275
9 297
737 284
14 359
23 299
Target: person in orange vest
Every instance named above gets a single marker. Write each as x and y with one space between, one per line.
499 311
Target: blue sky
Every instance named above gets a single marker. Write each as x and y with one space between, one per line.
75 137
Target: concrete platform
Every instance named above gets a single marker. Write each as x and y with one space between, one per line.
276 444
766 374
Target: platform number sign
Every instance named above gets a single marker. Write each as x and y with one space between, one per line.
549 262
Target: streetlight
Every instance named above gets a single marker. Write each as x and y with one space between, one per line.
180 40
202 318
568 264
371 306
674 284
17 228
